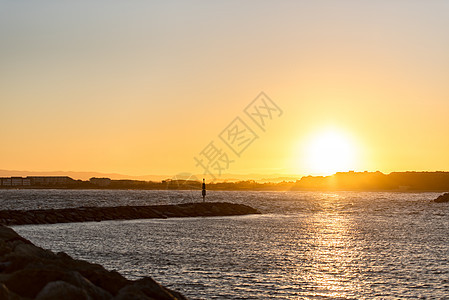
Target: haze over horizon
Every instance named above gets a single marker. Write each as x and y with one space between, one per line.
143 88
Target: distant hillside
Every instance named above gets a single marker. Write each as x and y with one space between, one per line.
400 181
81 175
341 181
354 181
184 176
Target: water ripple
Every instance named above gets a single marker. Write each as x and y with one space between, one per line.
307 245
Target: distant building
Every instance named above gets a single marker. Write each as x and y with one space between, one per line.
6 181
50 180
30 181
16 181
100 181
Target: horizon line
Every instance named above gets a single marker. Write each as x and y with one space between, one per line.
189 176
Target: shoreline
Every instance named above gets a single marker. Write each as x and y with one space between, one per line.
98 214
233 190
31 272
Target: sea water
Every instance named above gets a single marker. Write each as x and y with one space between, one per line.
306 245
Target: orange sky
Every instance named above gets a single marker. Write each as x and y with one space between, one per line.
142 88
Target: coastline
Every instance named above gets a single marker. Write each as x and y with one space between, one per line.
410 181
31 272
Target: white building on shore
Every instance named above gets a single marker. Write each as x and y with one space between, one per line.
35 181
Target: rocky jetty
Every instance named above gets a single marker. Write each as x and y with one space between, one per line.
30 272
442 198
89 214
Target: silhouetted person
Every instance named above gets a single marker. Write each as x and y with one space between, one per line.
203 192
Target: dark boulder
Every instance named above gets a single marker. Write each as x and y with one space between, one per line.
30 272
144 288
442 198
61 290
6 294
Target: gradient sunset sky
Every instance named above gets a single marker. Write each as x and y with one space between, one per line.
142 87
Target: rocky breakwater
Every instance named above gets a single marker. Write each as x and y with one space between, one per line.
30 272
88 214
442 198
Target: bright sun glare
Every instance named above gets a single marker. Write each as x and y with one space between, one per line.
328 152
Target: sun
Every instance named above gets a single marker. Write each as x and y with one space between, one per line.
327 152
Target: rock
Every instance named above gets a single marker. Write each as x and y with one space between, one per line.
146 288
61 290
4 248
7 235
6 294
28 271
86 214
35 280
110 281
31 250
442 198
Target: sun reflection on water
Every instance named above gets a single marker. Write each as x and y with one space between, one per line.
306 245
331 249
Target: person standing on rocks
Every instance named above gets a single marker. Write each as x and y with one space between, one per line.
203 192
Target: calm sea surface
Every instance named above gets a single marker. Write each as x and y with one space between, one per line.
306 245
